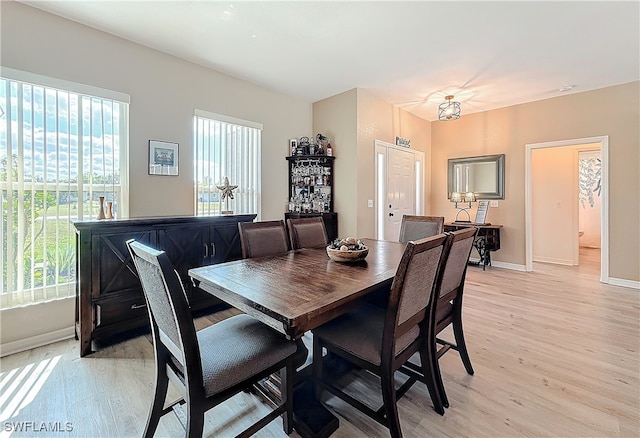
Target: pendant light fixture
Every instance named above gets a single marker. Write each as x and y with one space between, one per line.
449 110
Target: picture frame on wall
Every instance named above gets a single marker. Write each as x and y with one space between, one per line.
163 158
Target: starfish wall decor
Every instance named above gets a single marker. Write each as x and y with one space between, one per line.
226 193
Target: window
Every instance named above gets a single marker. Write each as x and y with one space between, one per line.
231 148
62 146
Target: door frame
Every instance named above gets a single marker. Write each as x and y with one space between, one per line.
604 211
380 148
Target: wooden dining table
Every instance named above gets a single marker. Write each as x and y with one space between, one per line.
300 290
296 292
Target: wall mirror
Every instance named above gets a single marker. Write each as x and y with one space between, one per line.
484 176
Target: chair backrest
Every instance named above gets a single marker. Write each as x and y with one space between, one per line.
455 268
259 239
411 302
171 320
308 232
419 227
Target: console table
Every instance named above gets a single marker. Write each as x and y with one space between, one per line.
109 298
487 239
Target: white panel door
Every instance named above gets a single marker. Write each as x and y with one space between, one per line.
401 182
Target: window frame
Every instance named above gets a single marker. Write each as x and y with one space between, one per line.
249 186
78 95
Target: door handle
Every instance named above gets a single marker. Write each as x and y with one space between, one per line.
390 214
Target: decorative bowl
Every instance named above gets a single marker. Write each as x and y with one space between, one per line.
348 256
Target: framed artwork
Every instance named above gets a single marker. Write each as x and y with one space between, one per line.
481 213
293 146
163 158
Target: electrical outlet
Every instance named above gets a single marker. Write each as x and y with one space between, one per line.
370 203
493 203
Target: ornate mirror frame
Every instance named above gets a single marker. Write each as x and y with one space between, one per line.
460 169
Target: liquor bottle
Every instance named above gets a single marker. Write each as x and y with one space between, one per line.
329 150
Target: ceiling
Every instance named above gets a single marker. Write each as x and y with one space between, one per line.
411 54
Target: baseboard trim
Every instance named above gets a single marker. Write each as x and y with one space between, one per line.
36 341
498 264
624 283
512 266
563 262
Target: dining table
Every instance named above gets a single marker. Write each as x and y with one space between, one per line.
298 291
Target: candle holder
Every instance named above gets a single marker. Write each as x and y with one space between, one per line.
462 202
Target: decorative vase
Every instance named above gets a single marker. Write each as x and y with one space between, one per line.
109 214
101 208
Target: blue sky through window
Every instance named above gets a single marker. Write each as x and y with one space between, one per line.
48 126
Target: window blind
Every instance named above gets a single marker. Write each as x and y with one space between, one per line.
231 148
59 152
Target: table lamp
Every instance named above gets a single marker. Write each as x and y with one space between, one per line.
464 199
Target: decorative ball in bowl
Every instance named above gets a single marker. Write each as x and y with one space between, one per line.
347 250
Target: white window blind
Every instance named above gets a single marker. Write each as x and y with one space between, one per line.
226 147
60 150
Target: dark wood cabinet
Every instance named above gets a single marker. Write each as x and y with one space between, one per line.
109 299
311 190
310 183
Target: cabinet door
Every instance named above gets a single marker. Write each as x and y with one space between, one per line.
223 244
116 294
113 271
226 243
185 247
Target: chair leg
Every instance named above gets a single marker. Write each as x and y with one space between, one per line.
460 342
390 406
437 377
157 406
286 389
426 362
195 420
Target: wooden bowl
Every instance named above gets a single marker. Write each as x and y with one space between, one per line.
347 256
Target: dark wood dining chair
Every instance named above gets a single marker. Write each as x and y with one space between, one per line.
419 227
308 232
260 239
382 340
449 306
208 365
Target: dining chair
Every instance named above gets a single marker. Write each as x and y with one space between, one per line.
449 306
308 232
209 365
260 239
419 227
382 340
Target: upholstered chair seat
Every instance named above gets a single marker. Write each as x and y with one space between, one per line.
235 349
360 332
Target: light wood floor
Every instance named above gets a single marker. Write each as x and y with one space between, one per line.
555 354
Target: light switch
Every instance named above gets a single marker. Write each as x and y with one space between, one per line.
370 203
493 203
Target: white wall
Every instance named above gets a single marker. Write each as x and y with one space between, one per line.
164 92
